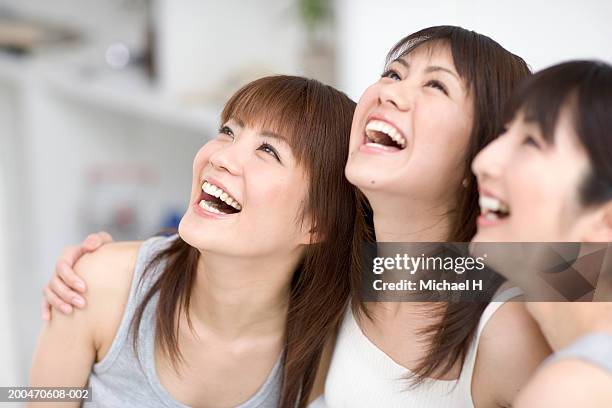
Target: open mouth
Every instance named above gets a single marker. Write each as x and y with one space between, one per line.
218 201
379 133
493 209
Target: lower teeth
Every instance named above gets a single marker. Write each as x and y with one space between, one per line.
491 216
205 205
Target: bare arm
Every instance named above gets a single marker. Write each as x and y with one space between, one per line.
510 350
567 384
70 344
66 350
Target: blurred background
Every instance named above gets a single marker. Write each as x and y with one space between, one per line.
103 104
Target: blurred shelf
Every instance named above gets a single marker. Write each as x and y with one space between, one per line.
126 92
129 92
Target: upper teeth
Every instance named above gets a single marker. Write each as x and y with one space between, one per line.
492 204
220 194
386 128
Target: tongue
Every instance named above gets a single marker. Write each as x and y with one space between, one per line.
382 139
382 148
218 204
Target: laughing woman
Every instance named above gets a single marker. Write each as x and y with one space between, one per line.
233 311
415 132
552 171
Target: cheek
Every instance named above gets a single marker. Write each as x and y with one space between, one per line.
442 139
279 204
363 108
536 200
202 157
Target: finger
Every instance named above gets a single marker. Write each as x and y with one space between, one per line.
56 302
95 241
105 237
71 254
92 242
69 277
65 293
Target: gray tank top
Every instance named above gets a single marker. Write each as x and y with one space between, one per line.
594 348
122 379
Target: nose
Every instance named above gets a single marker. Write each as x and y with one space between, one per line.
227 159
396 93
490 162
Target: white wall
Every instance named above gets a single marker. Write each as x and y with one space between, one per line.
8 374
204 42
9 198
542 32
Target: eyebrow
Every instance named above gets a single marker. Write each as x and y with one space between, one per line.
431 68
435 68
265 133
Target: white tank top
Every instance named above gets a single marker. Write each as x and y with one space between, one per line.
362 375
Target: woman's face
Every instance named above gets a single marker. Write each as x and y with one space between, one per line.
247 195
529 188
411 128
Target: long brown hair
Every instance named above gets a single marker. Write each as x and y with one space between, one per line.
316 119
491 73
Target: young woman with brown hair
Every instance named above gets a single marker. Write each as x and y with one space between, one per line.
234 311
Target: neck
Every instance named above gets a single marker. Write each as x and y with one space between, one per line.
401 219
236 297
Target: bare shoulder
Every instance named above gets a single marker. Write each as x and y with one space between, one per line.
567 383
512 344
108 274
111 260
512 326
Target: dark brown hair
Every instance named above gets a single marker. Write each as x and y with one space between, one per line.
586 88
491 74
316 119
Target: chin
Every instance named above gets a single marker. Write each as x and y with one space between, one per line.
188 231
480 237
364 178
486 234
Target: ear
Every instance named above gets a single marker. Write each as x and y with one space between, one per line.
599 226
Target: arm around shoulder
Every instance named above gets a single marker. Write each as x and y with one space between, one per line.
68 346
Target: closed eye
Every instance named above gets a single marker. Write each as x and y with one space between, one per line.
391 74
226 130
434 83
531 141
267 148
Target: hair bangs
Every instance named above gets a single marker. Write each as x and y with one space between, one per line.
540 100
474 55
464 45
272 104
